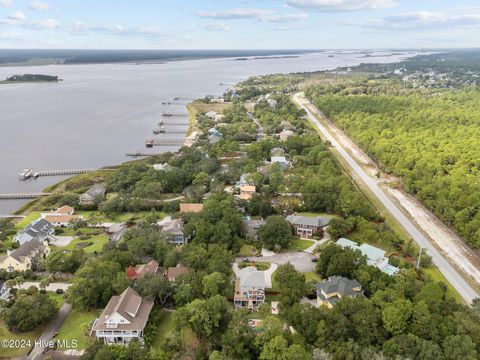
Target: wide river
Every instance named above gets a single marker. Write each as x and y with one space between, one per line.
98 113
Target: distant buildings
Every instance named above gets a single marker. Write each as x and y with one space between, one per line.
162 167
93 196
280 160
375 256
246 191
335 288
190 208
21 259
123 319
141 270
39 230
249 288
307 226
174 230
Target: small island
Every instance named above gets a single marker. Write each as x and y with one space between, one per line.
30 78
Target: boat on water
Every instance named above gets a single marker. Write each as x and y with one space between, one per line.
167 113
28 174
159 130
161 122
149 143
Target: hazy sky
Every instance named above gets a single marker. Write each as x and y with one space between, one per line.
239 24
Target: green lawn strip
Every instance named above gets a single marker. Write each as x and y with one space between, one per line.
97 244
77 326
247 250
436 275
312 214
34 215
11 352
164 330
300 244
312 276
58 298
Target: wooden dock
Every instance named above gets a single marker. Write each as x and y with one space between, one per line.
141 154
166 142
22 196
33 174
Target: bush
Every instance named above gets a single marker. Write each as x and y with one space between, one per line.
59 291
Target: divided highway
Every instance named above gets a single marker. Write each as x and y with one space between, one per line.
450 273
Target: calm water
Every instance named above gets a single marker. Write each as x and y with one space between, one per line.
101 112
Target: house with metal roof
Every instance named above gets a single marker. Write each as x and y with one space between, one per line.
335 288
249 288
39 230
307 226
375 256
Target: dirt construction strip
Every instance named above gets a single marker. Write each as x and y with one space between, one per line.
444 247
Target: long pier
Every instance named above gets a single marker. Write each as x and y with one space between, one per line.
33 174
22 196
141 154
164 142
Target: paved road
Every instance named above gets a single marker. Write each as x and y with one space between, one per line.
51 287
52 328
452 275
300 260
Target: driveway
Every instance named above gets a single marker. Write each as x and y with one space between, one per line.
49 332
51 287
62 240
302 261
324 239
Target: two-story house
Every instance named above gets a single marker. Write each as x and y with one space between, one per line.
21 259
249 288
174 230
39 230
123 319
307 226
332 290
93 196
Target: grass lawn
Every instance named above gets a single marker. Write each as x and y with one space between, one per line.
309 276
300 244
34 215
14 352
164 330
436 275
58 298
76 327
272 297
312 214
247 250
97 243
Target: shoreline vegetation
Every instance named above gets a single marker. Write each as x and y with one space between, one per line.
30 78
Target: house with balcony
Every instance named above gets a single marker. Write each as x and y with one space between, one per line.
249 288
307 226
21 259
123 319
39 230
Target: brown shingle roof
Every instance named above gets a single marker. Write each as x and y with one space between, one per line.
174 272
129 305
65 209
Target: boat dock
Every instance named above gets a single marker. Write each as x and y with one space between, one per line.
33 174
141 154
164 142
22 196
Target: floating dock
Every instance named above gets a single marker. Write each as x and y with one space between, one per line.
141 154
22 196
164 142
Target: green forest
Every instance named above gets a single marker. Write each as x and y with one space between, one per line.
431 139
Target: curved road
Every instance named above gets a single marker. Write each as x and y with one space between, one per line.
450 273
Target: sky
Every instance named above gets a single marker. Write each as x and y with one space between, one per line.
239 24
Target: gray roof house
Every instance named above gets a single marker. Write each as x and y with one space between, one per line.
307 226
335 288
39 230
123 319
375 256
174 228
249 288
93 196
250 227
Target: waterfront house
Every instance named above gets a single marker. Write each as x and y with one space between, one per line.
39 230
21 259
375 256
249 288
247 191
61 217
123 319
174 272
332 290
190 208
93 196
162 167
174 230
141 270
307 226
211 114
